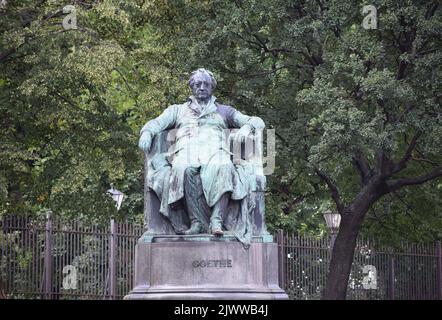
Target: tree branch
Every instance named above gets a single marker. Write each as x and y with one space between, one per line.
396 184
433 163
333 188
255 75
384 164
361 164
407 156
134 94
431 10
69 102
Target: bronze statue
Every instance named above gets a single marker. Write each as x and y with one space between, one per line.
198 177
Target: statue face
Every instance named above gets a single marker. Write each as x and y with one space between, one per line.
202 86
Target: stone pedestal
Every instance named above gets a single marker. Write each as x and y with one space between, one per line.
205 267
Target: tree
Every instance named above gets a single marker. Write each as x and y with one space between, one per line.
379 107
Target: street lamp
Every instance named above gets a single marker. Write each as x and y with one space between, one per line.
117 196
333 220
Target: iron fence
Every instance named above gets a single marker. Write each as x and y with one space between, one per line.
62 259
410 272
55 258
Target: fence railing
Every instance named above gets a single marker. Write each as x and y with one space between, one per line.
59 259
68 259
410 272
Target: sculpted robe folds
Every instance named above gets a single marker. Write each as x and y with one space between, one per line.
199 140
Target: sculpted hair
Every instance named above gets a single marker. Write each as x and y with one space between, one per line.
202 70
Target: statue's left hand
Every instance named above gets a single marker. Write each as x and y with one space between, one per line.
242 134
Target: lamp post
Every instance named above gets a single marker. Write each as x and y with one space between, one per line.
333 220
117 196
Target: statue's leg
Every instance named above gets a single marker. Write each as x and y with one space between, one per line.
218 214
195 203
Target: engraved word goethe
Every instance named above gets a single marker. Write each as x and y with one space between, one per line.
223 263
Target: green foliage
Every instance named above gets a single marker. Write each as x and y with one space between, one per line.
73 101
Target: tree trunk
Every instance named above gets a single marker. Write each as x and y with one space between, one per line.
345 243
342 258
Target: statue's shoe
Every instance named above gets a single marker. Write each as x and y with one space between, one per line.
217 231
195 228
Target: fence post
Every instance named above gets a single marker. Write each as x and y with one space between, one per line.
439 269
391 293
48 257
280 240
113 261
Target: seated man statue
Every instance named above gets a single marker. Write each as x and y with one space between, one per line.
199 173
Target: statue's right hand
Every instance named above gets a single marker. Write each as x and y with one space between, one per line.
145 141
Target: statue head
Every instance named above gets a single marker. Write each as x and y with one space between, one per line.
202 83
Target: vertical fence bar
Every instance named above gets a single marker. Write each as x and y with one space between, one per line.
391 293
25 244
5 227
33 260
11 259
48 257
280 237
4 231
439 269
121 254
103 264
77 251
112 261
